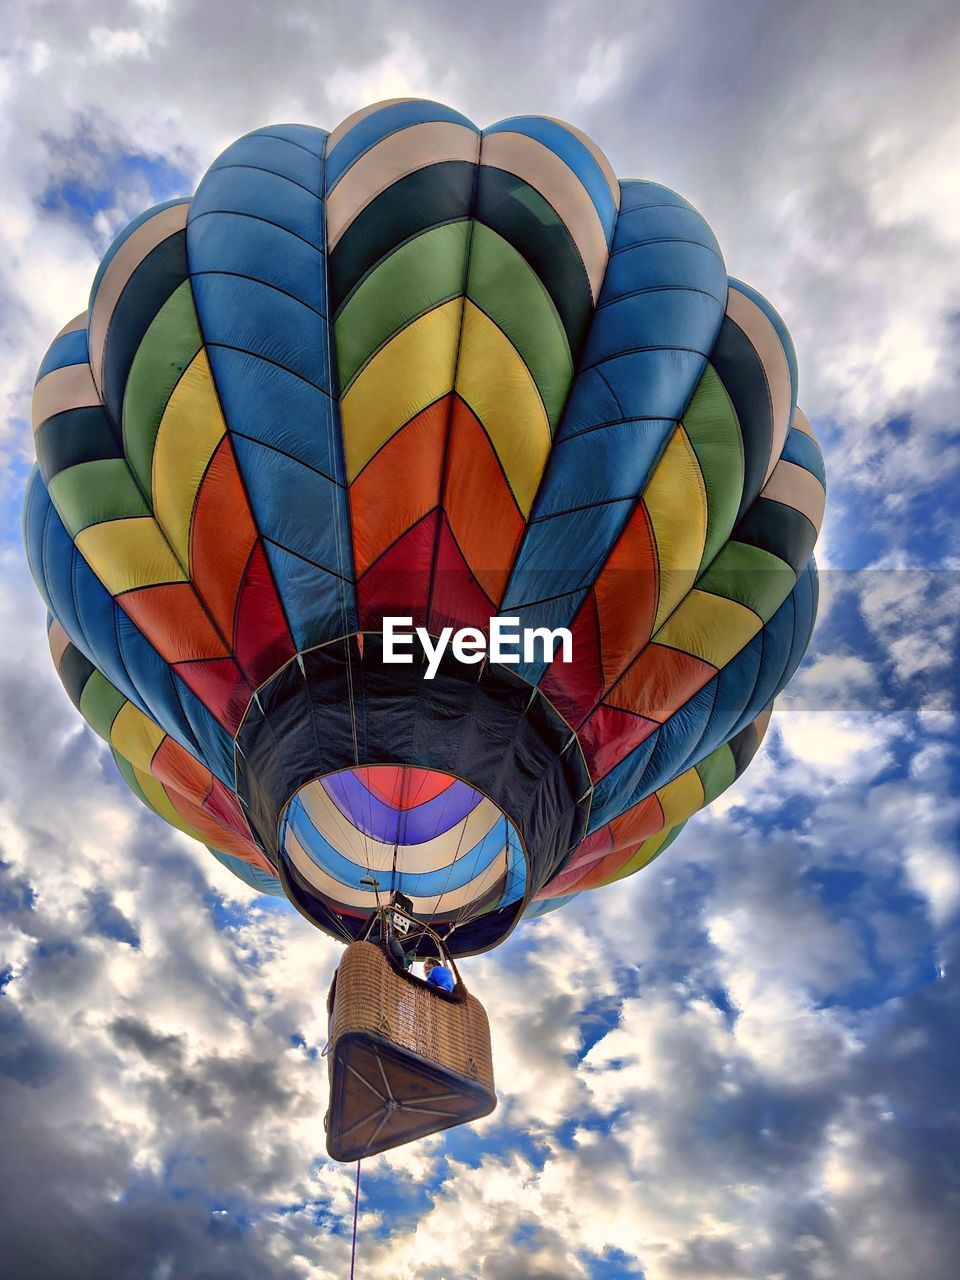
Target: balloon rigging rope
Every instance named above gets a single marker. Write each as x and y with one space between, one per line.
356 1206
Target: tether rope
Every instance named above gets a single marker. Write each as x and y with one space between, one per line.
356 1206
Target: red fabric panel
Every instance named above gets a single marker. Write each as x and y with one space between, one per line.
261 638
404 787
457 599
610 735
398 585
220 686
576 687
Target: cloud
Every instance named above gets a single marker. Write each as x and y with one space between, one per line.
739 1064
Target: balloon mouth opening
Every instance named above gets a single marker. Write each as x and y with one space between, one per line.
356 834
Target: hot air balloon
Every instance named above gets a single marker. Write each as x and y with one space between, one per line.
412 369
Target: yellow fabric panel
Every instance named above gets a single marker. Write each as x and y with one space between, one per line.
135 736
160 802
498 387
681 798
411 371
643 854
191 428
676 499
710 627
125 554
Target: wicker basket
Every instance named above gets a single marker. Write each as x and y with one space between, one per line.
406 1059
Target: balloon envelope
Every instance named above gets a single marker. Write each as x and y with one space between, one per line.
411 368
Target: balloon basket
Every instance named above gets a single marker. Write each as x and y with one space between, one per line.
405 1059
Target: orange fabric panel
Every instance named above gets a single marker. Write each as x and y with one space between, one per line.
637 824
627 589
172 617
399 484
660 681
177 768
222 535
483 515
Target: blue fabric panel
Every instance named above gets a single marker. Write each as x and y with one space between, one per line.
292 504
106 635
610 465
275 154
459 872
660 264
250 875
542 906
367 132
36 504
654 318
644 356
675 742
778 644
124 235
783 333
574 154
236 244
307 136
266 403
319 606
70 349
611 792
735 685
803 451
261 195
806 595
239 312
265 330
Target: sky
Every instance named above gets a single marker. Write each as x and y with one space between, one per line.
742 1064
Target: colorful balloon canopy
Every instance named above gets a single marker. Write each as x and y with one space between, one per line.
413 368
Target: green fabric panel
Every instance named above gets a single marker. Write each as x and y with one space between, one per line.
100 703
420 275
130 777
714 431
168 346
503 284
95 491
717 772
750 576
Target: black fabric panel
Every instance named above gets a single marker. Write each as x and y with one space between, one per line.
427 198
779 529
744 747
485 730
75 670
72 437
162 271
515 211
742 374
